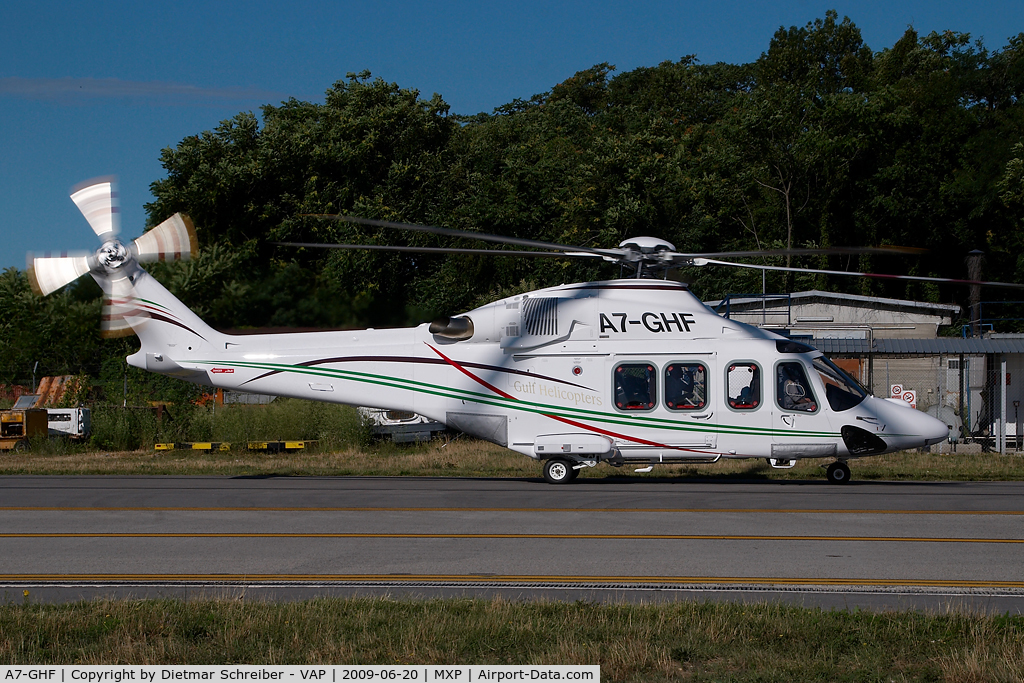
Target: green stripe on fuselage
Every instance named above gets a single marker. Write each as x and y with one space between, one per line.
521 405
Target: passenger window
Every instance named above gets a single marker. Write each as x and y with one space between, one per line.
793 389
635 386
686 386
744 386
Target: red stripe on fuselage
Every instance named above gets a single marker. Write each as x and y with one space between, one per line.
563 420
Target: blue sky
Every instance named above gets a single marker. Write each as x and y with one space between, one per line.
91 89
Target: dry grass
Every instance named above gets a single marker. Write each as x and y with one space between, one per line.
463 457
438 458
673 642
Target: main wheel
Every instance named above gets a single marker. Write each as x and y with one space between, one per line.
558 471
838 473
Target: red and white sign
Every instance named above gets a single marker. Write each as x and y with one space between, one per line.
898 391
222 371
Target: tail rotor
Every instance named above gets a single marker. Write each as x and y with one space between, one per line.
114 265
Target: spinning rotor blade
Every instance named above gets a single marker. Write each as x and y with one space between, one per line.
437 250
880 276
98 201
608 254
47 274
892 250
119 303
173 240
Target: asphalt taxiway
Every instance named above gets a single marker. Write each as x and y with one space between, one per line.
921 545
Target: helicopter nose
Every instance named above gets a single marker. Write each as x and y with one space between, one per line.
911 427
933 430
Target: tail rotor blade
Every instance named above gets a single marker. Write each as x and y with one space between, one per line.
98 201
119 306
173 240
47 274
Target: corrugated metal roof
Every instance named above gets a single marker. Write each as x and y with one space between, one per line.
939 345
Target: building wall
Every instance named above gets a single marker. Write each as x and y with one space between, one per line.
834 319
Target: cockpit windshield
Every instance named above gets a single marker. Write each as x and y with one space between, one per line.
841 391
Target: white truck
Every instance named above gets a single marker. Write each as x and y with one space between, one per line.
402 426
73 423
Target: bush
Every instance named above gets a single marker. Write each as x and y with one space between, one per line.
333 426
125 429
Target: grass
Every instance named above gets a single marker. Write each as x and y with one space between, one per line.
123 441
682 641
123 429
464 457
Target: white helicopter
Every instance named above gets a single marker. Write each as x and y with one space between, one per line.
631 371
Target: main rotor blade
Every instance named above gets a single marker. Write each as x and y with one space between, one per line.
810 252
880 276
47 274
173 240
98 201
441 250
449 232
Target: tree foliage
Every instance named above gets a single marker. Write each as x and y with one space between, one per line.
820 142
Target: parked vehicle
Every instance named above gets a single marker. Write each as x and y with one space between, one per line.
73 423
401 425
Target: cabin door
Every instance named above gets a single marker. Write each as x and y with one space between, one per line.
800 426
689 401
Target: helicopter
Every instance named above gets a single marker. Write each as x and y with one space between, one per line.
634 371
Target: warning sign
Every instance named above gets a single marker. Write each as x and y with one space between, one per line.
903 394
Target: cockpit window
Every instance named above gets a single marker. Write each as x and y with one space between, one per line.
790 346
793 389
841 391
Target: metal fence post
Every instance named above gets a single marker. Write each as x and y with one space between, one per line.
1002 405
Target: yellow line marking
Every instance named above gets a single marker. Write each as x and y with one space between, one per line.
582 537
506 578
817 511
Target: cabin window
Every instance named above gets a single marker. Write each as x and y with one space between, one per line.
686 386
841 391
793 389
635 386
744 380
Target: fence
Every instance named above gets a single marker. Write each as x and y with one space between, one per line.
963 391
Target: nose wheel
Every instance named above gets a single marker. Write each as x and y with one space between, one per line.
838 473
559 471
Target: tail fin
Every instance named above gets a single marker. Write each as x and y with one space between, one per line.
169 331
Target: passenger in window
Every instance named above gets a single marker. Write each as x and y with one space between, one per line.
685 386
747 379
634 387
794 393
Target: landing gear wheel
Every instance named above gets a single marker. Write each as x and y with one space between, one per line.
558 471
838 473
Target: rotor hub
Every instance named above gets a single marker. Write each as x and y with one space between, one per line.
113 255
